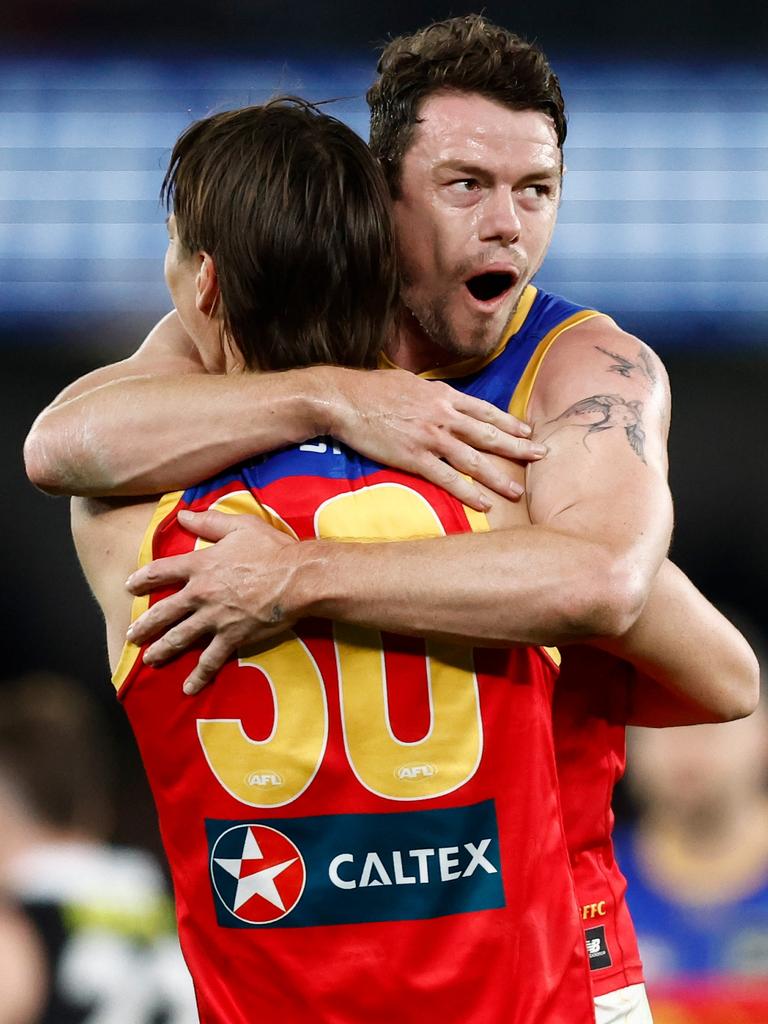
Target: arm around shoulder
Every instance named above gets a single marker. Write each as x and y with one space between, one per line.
693 665
69 448
162 420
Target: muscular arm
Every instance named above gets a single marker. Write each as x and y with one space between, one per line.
164 419
602 520
693 665
600 509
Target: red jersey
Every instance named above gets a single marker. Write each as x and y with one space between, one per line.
360 827
590 715
589 727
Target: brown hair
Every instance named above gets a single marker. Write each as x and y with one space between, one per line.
467 54
295 213
54 753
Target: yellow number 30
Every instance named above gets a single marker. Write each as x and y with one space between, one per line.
275 771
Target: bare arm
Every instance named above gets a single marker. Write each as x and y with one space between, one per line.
600 509
694 666
160 420
163 420
602 520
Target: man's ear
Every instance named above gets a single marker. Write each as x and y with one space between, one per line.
207 292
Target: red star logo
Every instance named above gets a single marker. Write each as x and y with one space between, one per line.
269 869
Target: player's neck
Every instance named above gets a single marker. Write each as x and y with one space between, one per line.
413 349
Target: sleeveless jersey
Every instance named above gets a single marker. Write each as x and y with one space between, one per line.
360 827
590 747
590 715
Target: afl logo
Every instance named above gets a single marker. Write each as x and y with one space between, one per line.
415 771
257 872
264 779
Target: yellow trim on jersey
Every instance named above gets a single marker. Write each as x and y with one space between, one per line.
518 404
554 654
475 363
478 521
130 652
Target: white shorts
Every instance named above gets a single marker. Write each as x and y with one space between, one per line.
623 1006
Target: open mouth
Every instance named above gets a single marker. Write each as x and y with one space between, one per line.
489 286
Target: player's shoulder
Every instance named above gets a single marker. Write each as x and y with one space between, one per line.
597 355
108 533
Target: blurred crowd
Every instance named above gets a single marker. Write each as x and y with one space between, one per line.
86 927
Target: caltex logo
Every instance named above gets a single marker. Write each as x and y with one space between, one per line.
258 873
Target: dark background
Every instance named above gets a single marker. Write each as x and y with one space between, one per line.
673 30
715 347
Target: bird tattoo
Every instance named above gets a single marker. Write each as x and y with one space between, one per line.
616 412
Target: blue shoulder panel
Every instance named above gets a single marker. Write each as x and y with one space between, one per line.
496 381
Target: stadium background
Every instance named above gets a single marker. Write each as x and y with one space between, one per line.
664 225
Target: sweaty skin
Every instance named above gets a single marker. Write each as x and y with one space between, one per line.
473 199
692 664
479 190
201 421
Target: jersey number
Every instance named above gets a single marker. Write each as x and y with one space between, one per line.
275 771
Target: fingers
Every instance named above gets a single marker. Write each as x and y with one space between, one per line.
177 639
163 572
485 412
462 459
445 476
160 617
213 658
487 437
485 428
213 525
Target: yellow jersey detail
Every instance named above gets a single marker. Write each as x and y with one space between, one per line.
518 405
478 521
378 512
243 503
276 770
130 652
554 654
475 363
448 755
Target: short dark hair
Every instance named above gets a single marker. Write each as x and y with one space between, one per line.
295 213
467 54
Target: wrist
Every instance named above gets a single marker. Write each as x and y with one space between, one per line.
326 402
312 578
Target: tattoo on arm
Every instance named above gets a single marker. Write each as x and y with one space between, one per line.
650 372
624 366
614 411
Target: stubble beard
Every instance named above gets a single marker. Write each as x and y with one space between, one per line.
434 320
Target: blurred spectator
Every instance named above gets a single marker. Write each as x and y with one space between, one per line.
86 929
697 861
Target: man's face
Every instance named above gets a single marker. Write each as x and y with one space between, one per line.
479 191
